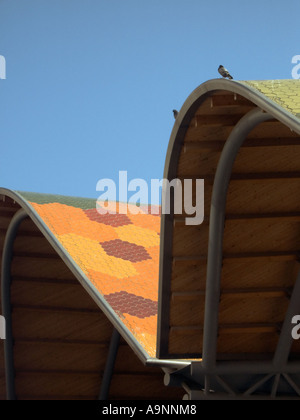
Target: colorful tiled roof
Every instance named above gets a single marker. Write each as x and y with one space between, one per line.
285 93
118 253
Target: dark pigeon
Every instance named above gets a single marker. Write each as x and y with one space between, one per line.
224 72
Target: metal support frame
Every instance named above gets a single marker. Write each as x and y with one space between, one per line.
216 231
208 371
236 379
110 364
7 256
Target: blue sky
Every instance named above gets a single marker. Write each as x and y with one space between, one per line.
90 84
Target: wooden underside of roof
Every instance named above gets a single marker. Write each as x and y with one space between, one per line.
61 337
261 246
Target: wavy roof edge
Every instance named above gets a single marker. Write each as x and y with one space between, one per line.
75 268
262 93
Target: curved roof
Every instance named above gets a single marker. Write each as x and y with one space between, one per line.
62 336
114 256
279 97
147 273
261 237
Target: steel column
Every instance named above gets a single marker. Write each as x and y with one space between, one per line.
216 231
7 256
110 364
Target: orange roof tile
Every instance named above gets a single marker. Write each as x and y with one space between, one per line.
118 253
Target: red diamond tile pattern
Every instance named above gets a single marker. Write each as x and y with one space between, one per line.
114 220
125 250
118 253
131 304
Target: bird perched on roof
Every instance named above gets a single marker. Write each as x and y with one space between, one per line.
224 72
175 113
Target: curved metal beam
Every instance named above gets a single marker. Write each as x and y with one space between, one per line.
216 230
177 138
7 256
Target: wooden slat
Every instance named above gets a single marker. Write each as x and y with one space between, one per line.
54 355
213 119
188 276
237 274
184 340
53 292
224 104
40 268
204 159
250 308
264 257
262 196
34 244
147 384
192 162
187 311
8 202
190 240
236 343
218 145
5 218
215 133
261 235
268 159
73 325
247 342
271 217
32 385
273 129
229 99
253 195
238 293
241 236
